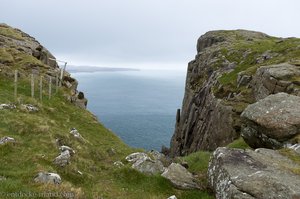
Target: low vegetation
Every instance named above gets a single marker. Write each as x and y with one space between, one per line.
91 173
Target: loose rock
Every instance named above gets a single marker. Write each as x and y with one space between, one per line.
180 177
118 164
7 106
7 139
67 148
63 159
45 177
76 134
29 108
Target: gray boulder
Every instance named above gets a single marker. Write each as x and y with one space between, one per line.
136 156
149 166
67 148
247 174
63 159
7 106
273 79
7 139
76 134
45 177
180 177
272 121
144 164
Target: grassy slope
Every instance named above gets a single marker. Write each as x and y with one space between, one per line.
36 148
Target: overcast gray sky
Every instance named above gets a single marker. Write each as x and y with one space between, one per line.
142 33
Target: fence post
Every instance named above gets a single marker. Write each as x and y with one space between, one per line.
61 77
41 88
50 88
16 84
32 85
56 83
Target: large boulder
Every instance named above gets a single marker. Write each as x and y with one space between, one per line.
180 177
272 121
277 78
247 174
144 164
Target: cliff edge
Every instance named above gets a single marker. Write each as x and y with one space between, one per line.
232 69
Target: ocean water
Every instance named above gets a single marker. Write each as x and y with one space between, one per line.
139 106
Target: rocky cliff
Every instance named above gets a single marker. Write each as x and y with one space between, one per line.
20 51
231 70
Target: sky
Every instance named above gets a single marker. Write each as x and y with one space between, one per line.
142 33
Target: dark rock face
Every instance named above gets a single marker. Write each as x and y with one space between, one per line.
259 174
227 75
272 121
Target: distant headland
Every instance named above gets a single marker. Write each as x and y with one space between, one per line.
91 69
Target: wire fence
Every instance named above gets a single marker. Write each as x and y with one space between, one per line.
35 85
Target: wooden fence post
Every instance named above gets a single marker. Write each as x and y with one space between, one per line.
16 84
61 77
32 85
41 88
50 88
56 83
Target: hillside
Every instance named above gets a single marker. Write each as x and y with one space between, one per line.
35 137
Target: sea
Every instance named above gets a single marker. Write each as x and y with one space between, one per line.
138 106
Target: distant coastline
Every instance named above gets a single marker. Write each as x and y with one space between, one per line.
92 69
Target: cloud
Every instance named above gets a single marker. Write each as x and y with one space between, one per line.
142 31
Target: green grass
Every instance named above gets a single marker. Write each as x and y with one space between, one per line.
35 150
295 157
198 165
239 144
5 57
10 32
287 50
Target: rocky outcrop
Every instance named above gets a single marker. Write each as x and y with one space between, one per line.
19 50
231 70
259 174
180 177
272 121
273 79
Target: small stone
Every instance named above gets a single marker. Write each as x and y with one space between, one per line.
45 177
118 164
7 106
63 159
6 139
29 108
76 134
67 148
172 197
